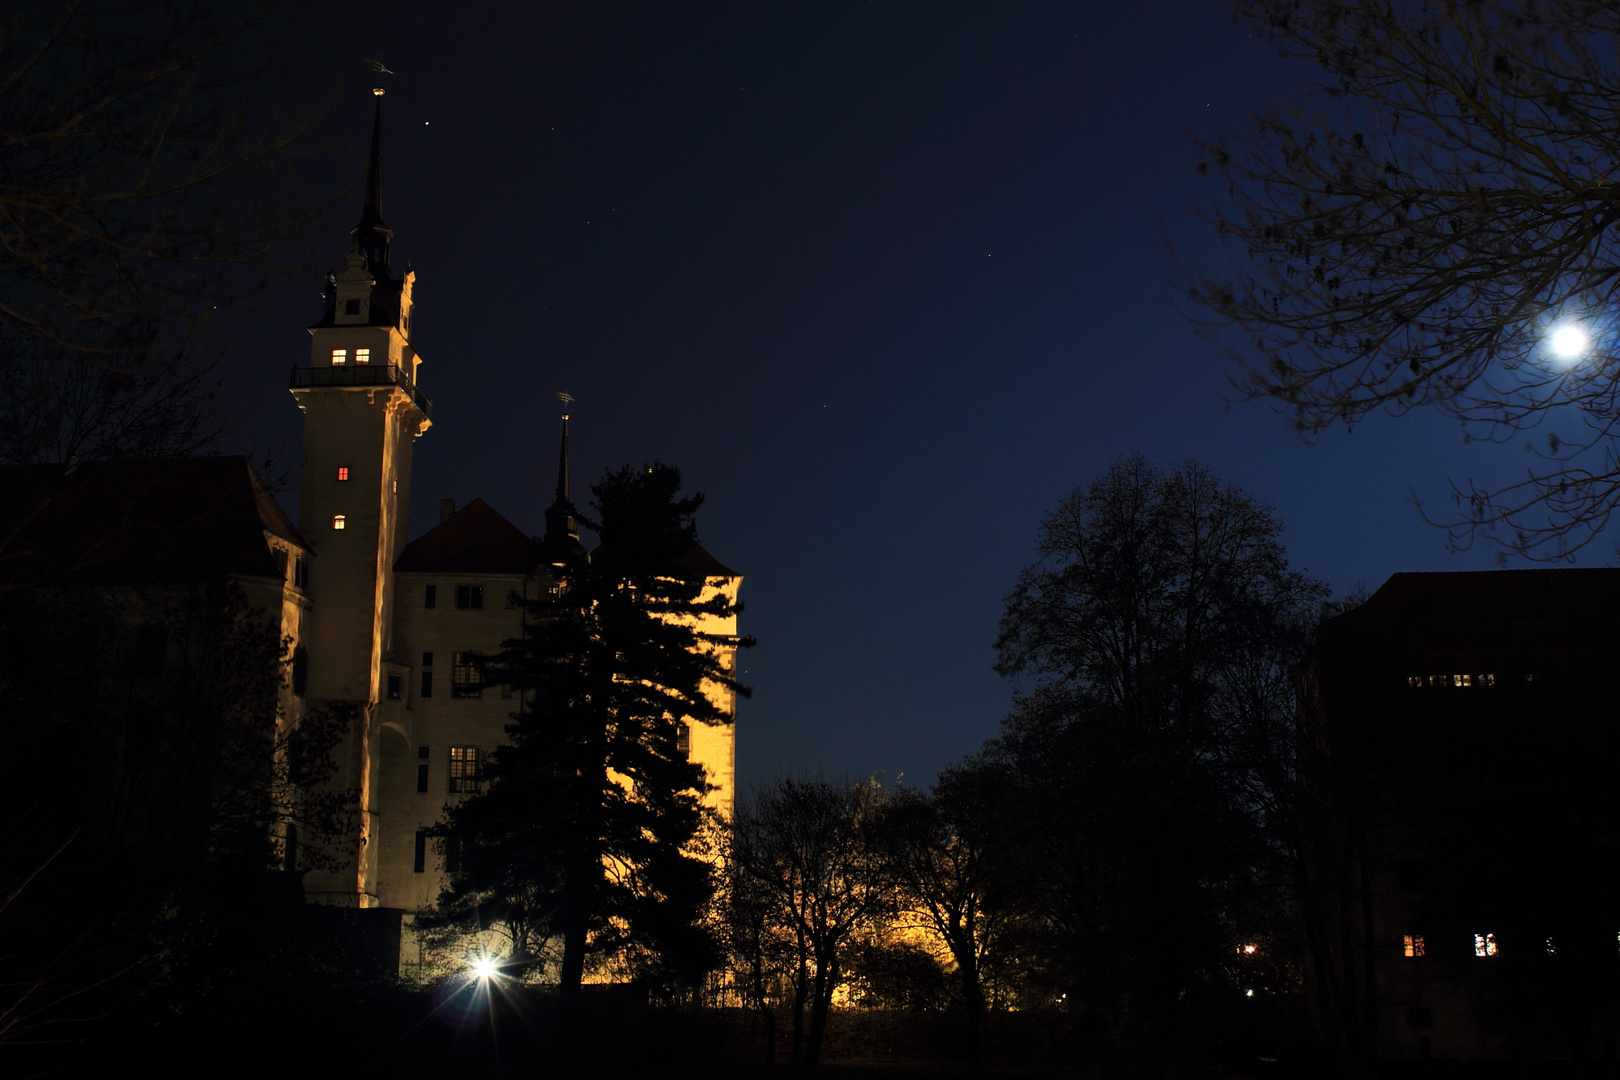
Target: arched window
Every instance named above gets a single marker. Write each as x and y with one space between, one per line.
339 521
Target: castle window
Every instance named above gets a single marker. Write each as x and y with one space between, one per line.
300 573
351 306
421 770
463 769
300 671
393 688
419 866
339 521
465 675
427 684
683 740
343 472
470 597
362 356
1484 944
340 357
430 596
1413 945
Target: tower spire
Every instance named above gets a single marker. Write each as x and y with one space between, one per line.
562 546
371 236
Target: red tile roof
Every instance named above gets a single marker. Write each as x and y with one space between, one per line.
475 540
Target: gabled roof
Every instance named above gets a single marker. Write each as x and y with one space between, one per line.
699 561
132 522
475 540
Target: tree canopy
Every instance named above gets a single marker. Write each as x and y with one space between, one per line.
588 826
1416 225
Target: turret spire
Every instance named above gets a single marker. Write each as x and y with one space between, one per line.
371 236
562 546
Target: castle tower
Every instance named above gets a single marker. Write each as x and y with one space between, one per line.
362 411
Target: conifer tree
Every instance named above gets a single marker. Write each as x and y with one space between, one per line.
589 824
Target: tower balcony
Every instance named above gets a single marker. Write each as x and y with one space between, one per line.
362 375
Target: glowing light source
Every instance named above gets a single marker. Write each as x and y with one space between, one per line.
1569 341
485 968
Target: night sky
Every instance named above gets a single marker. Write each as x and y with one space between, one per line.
886 280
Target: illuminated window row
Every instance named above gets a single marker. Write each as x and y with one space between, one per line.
340 357
1464 681
1484 945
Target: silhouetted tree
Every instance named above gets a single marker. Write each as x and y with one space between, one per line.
145 165
811 855
1417 222
587 825
961 866
1160 630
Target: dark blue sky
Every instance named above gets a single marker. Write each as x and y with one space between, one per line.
885 280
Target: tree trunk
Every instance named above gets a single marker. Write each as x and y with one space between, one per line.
820 1003
800 985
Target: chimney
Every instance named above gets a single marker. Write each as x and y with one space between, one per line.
447 510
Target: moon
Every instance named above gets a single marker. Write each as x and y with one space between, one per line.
1569 341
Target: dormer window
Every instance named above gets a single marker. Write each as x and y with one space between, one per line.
343 472
339 521
351 306
340 357
362 356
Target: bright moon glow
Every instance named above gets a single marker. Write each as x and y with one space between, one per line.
1569 341
485 968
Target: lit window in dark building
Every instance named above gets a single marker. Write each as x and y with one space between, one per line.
343 472
1413 945
463 769
470 597
430 596
339 521
362 356
1552 949
340 357
465 675
1484 944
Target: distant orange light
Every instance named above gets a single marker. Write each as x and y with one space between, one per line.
1249 950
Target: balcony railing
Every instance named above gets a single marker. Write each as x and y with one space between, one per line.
362 375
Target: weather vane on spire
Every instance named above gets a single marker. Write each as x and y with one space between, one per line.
566 399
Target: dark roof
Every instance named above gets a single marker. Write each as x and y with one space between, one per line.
1493 592
699 561
475 540
133 522
1459 613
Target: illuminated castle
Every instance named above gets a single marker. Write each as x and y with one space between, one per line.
394 627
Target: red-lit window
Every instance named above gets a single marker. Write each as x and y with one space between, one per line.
343 472
1413 945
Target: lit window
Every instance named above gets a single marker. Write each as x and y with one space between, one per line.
1484 944
463 769
1250 950
340 357
1552 950
465 675
1414 680
1462 680
343 472
683 740
362 356
339 522
1413 945
1485 680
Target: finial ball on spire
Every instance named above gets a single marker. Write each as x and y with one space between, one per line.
378 91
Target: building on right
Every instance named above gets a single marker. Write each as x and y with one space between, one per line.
1459 817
